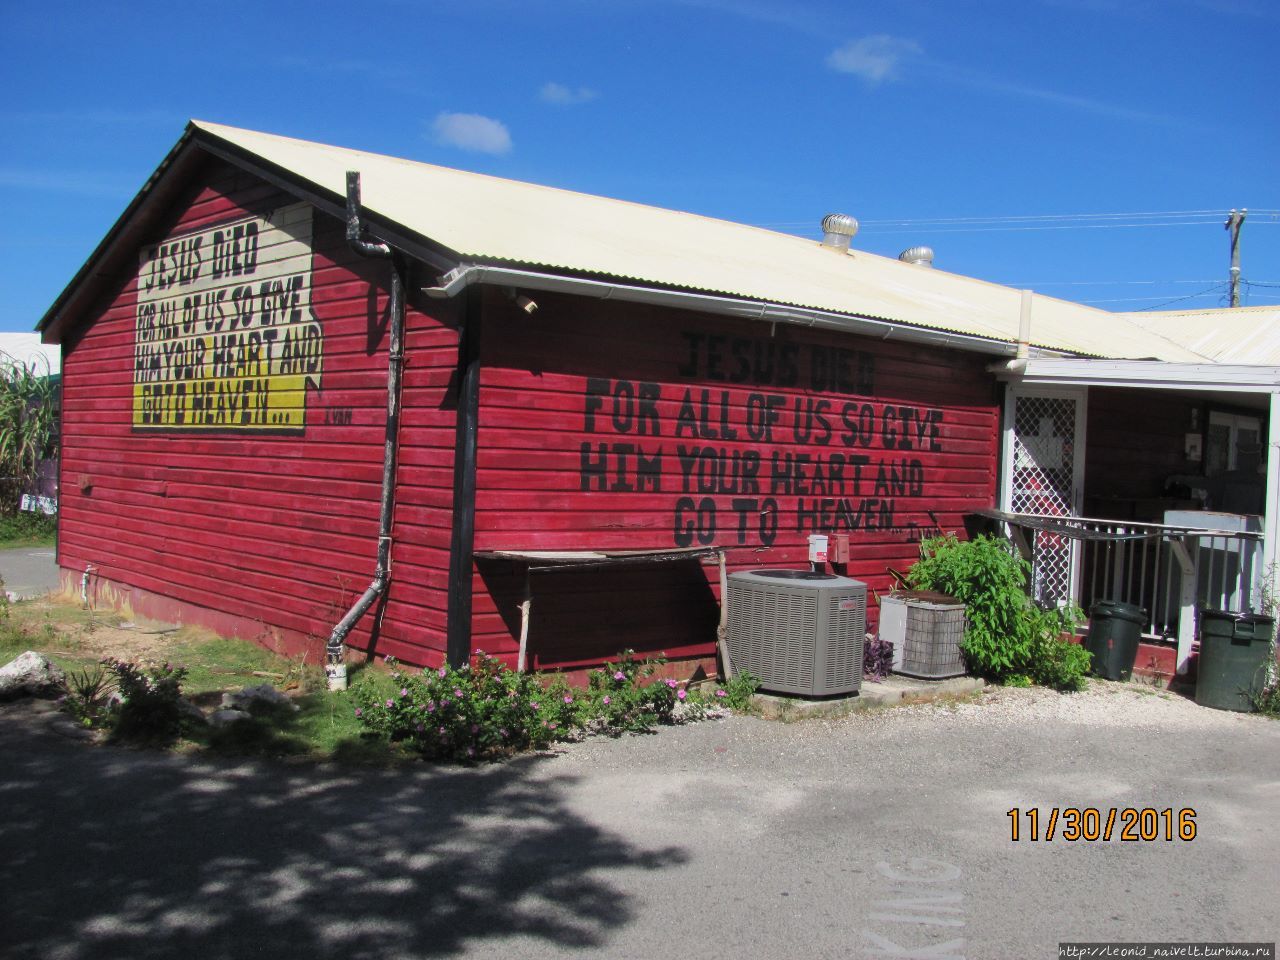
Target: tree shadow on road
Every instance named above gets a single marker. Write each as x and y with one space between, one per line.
116 853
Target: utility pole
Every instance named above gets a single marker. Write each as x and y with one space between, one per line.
1235 220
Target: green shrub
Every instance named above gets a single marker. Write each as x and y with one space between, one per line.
1007 636
28 527
736 694
149 706
1060 664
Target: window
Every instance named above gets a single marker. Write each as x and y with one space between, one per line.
1233 442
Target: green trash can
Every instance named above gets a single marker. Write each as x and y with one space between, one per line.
1234 648
1114 631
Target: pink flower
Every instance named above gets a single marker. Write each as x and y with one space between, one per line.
442 731
458 693
551 726
471 751
442 673
431 707
682 694
502 731
359 712
619 675
671 683
607 701
721 693
568 699
391 703
404 691
534 705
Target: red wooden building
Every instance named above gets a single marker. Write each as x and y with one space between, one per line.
448 416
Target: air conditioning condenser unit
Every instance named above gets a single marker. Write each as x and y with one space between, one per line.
797 631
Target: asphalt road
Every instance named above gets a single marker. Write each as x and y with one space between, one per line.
880 836
29 571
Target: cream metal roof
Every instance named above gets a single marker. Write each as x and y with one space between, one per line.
495 220
1228 335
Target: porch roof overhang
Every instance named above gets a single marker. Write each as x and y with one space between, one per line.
1142 374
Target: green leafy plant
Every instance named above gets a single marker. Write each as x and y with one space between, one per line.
738 691
89 693
27 424
149 700
1267 700
1057 663
485 710
1007 635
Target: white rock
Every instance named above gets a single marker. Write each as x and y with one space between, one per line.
190 711
224 718
28 675
263 695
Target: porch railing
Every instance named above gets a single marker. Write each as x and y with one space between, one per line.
1171 572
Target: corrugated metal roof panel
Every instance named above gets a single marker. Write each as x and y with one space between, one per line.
1228 335
492 219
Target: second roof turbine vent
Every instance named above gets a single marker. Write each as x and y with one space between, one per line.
837 230
920 256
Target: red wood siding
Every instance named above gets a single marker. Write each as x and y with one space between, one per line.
1126 468
620 426
275 531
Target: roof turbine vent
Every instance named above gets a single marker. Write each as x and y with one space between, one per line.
837 230
920 256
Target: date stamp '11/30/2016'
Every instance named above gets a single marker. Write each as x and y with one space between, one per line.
1126 824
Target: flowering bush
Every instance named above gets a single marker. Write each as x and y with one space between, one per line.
485 710
474 711
622 702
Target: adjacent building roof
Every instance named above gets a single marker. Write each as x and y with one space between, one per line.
1229 335
26 349
469 218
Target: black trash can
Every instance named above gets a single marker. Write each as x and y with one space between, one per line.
1234 648
1115 629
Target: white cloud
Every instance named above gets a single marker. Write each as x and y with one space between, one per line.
471 131
563 96
875 58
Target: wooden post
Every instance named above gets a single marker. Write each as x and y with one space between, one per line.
723 631
526 610
1187 602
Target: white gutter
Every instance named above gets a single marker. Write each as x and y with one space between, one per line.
1150 374
460 278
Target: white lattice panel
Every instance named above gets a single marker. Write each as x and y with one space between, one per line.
1044 439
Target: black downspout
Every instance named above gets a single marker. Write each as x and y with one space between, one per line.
335 666
462 543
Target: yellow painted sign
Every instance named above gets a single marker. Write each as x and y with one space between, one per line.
224 334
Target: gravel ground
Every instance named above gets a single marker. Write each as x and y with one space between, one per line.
878 834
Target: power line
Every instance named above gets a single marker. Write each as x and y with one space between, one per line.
1207 290
1063 226
1094 283
1051 216
1208 216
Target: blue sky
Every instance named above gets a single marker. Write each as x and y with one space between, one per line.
931 122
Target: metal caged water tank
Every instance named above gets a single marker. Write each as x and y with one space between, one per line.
798 632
